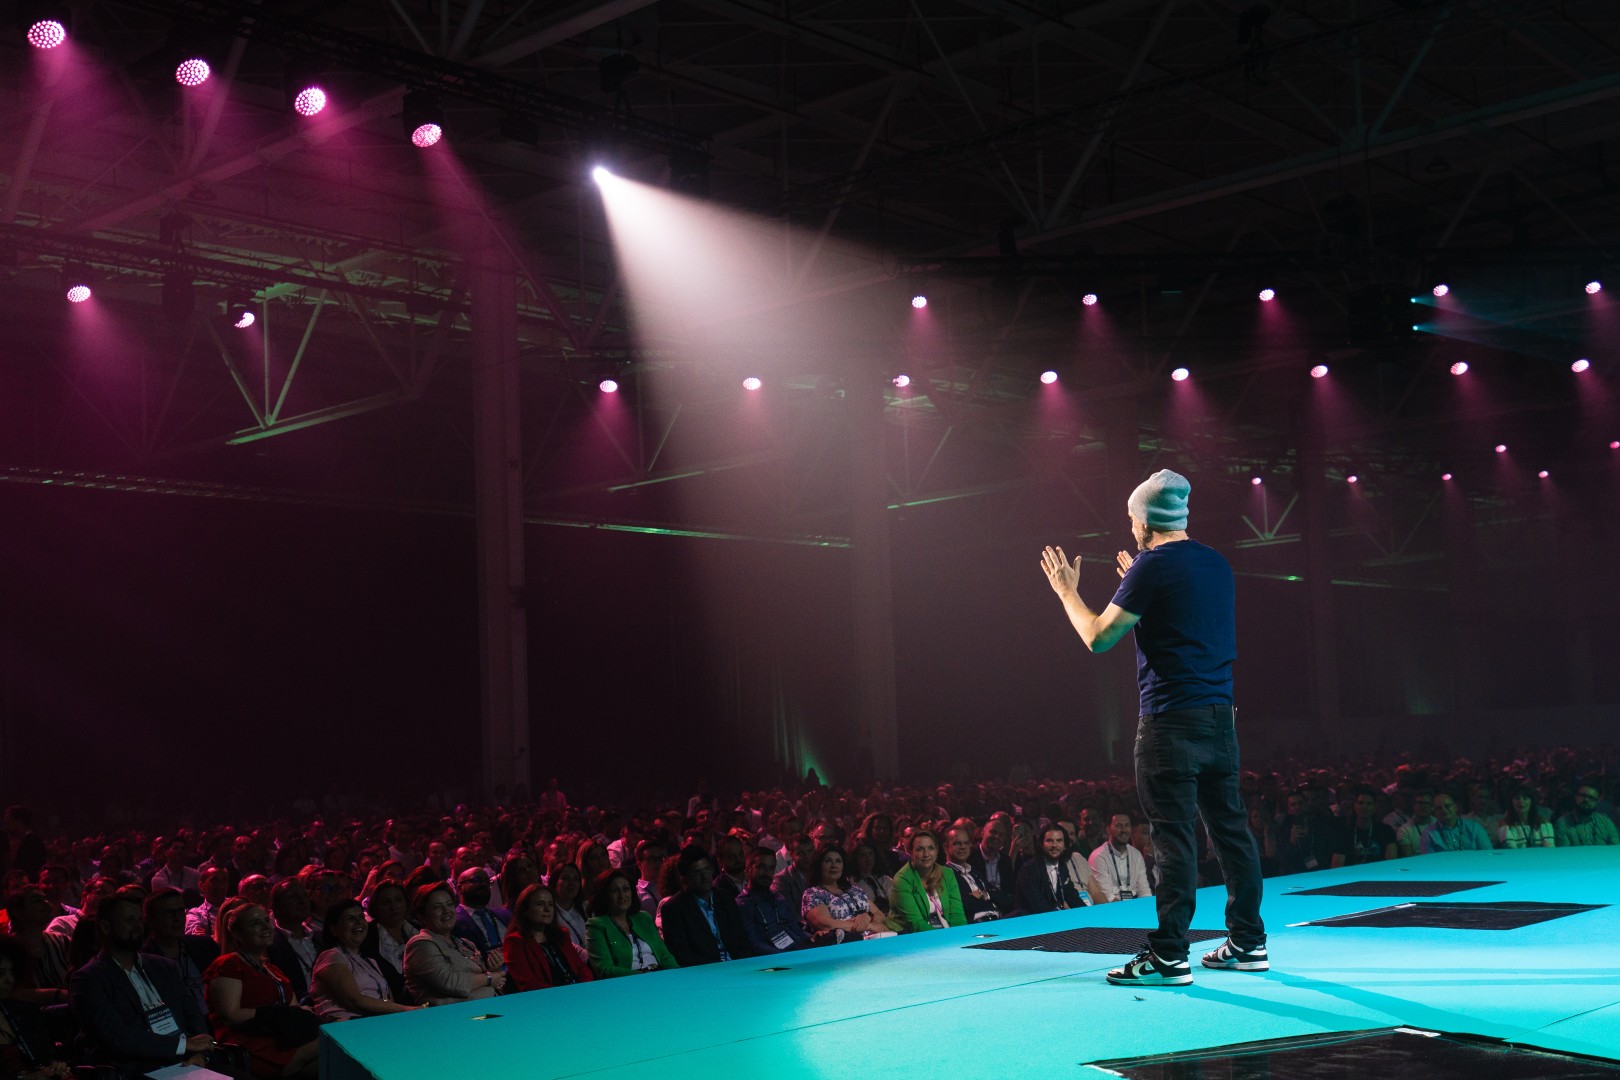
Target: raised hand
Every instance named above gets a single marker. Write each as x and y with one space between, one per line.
1063 577
1124 560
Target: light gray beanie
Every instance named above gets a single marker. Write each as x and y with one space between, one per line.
1161 501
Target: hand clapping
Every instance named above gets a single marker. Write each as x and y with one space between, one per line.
1124 560
1063 577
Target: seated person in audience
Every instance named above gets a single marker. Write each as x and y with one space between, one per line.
925 893
791 881
835 909
190 953
569 890
255 889
1584 826
1117 868
539 950
620 937
649 863
1522 825
1046 883
476 921
251 1003
386 935
772 924
1370 839
293 947
977 905
26 1051
1093 831
866 871
174 873
27 849
518 872
992 864
43 979
592 860
133 1009
699 925
1021 846
1409 837
325 888
440 967
731 869
215 885
57 882
1451 832
346 983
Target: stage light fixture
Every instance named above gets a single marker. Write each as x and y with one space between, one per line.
46 34
1594 287
1460 368
1256 481
45 22
1352 479
1090 299
1180 374
1580 365
1543 474
902 381
1440 290
1445 476
1049 377
608 386
1501 448
304 87
1319 371
423 118
1614 444
752 383
242 316
76 284
1268 295
919 301
192 71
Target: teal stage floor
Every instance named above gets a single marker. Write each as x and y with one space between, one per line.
927 1005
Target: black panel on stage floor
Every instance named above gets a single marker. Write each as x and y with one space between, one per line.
1091 939
1394 888
1505 915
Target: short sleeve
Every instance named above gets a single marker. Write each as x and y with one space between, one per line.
1136 587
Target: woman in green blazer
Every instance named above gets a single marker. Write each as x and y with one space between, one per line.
925 896
620 937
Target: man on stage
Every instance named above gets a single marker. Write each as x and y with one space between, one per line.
1179 597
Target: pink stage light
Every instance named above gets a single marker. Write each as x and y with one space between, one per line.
919 301
1090 299
426 135
192 72
1319 371
244 319
1614 444
1268 295
1352 479
1460 368
310 101
1180 374
1501 448
1580 365
1445 476
1593 288
752 383
78 294
1543 474
902 381
47 34
1256 481
1440 290
608 386
1048 377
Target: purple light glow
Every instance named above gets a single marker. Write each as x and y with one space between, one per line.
902 381
1593 288
1256 481
1090 299
1543 474
1180 374
1501 448
608 386
1048 377
1614 444
47 34
78 294
310 101
426 135
1440 290
192 72
919 301
1352 479
1460 368
752 383
1445 476
243 320
1580 365
1268 295
1319 371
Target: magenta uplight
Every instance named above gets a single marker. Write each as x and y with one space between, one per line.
1440 290
1544 474
751 383
1460 368
244 319
608 386
426 135
1090 299
1319 371
902 381
1256 481
1614 444
1580 365
1352 479
192 72
1593 288
919 301
1048 377
78 294
1268 295
1445 476
310 101
1501 448
47 34
1180 374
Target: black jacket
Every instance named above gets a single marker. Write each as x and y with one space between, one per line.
1000 895
1035 888
112 1021
687 932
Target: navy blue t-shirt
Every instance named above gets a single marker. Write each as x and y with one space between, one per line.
1187 637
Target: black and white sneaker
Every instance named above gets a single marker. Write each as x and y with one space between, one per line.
1231 958
1145 969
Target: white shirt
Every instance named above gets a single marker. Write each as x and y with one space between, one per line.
1113 870
182 879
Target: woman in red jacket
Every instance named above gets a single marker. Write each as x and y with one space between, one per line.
538 948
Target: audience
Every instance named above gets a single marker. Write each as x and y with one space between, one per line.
1451 832
1583 826
772 923
926 896
539 950
439 966
346 983
387 933
25 1050
700 926
1046 881
1522 825
834 909
251 1002
621 938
